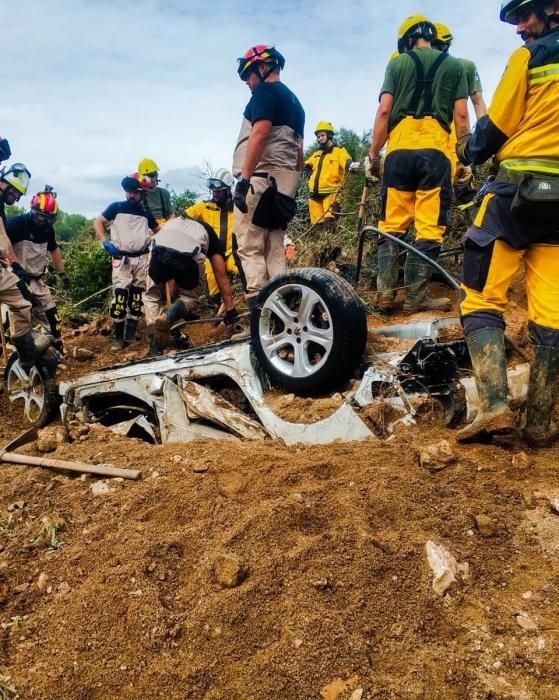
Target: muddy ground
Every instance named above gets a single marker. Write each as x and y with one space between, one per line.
125 594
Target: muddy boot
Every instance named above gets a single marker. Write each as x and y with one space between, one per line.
540 431
417 275
154 349
387 274
130 329
31 347
494 418
118 342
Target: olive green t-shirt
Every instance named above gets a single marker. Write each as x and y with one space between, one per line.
159 203
472 76
448 86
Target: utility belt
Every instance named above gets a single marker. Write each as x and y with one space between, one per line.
537 194
124 254
274 209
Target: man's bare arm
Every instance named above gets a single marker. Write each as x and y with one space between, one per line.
218 266
380 128
255 147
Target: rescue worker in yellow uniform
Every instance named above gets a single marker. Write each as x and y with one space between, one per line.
423 91
218 213
518 222
462 176
327 168
157 199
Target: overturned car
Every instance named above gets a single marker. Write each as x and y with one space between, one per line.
308 337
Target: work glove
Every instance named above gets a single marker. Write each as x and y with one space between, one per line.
65 280
461 147
110 247
240 196
230 317
372 167
355 167
463 179
18 270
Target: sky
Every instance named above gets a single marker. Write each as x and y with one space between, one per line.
92 86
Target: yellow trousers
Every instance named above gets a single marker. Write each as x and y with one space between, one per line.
542 282
230 266
323 210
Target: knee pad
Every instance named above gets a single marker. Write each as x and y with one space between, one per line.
135 301
118 306
54 322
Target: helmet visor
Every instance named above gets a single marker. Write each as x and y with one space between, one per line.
214 184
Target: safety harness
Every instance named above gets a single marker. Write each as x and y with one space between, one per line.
424 88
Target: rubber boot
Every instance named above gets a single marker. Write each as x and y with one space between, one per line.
540 431
387 275
130 328
417 275
214 300
494 418
154 348
31 347
118 342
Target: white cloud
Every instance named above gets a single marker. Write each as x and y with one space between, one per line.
91 87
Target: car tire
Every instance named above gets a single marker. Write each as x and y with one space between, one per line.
35 389
308 330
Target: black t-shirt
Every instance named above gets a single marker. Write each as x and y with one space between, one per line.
129 207
25 228
276 103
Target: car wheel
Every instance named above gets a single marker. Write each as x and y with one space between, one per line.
33 390
308 330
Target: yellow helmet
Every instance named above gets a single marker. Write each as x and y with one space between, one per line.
147 166
324 126
415 27
444 35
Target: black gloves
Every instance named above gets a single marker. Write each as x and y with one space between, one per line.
241 191
230 317
65 280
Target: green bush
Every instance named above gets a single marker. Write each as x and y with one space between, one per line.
88 267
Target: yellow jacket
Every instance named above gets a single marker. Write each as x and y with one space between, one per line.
221 220
328 169
521 124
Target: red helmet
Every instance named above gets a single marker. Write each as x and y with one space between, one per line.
261 53
45 203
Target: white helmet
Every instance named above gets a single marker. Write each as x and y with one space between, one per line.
17 176
221 179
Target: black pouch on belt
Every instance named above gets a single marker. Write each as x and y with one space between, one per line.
274 209
537 198
169 264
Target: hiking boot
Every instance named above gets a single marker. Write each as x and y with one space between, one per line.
494 418
118 342
539 430
30 347
417 275
387 274
130 329
154 349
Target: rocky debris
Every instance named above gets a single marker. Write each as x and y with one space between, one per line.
100 326
82 355
437 456
49 438
100 488
42 581
525 621
521 460
554 503
64 588
228 570
338 689
77 430
484 525
446 570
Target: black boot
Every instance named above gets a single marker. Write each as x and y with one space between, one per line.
387 274
154 348
214 300
130 329
30 347
417 275
540 431
118 342
55 328
487 352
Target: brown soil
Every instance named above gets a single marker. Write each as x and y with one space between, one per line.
115 596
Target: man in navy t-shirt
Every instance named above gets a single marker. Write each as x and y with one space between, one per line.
269 153
131 227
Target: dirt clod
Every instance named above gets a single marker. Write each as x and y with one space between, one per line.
436 457
485 525
521 460
228 570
